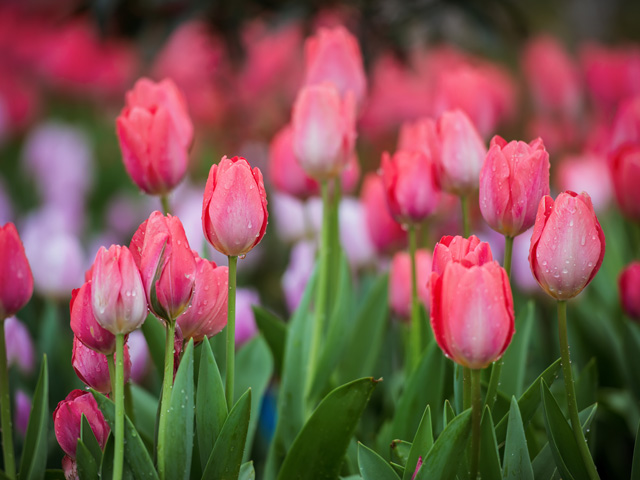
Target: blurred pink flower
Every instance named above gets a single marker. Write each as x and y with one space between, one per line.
139 354
296 276
289 217
586 172
246 327
354 236
20 349
22 411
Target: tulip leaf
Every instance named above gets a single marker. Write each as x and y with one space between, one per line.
89 440
34 456
247 471
319 449
274 332
145 407
635 465
517 464
399 450
85 461
489 465
515 358
373 467
106 465
442 462
448 412
587 385
154 334
50 474
211 405
226 458
630 348
422 443
254 366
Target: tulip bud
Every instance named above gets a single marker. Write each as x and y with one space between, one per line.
117 293
400 281
16 281
421 136
625 174
84 324
385 233
514 177
70 468
323 130
67 417
567 245
234 208
472 312
458 249
19 345
155 134
629 284
92 367
207 314
161 251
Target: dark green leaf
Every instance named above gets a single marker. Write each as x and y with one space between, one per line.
154 334
517 464
53 474
489 464
399 450
422 443
515 358
587 385
635 465
373 466
85 461
34 452
274 332
247 472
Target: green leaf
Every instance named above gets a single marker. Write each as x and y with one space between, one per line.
274 332
422 443
529 400
373 466
34 452
635 465
254 367
85 461
399 450
226 458
135 454
449 414
489 464
561 440
517 464
211 405
247 472
587 385
515 358
145 407
320 447
630 348
89 440
154 334
106 464
54 474
442 460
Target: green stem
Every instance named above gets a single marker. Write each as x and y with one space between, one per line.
118 455
476 415
165 401
570 392
5 405
508 252
166 208
466 388
415 335
231 332
112 372
466 228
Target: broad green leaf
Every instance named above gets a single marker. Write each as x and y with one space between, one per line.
373 466
85 461
517 464
89 440
399 469
635 465
145 407
448 412
587 385
247 472
154 334
274 332
515 358
226 458
422 443
399 450
34 452
211 405
442 460
106 465
319 448
489 465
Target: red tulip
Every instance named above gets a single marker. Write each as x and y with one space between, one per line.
400 281
629 283
514 178
161 251
567 245
84 324
16 281
458 249
626 125
92 367
234 208
625 175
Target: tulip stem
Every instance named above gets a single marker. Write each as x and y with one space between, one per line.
508 251
466 228
231 332
5 405
415 335
112 372
166 208
476 415
118 455
466 388
571 393
165 401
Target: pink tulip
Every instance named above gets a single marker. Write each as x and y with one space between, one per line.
333 55
92 367
323 130
629 285
70 468
461 153
19 345
155 134
626 125
458 249
67 417
420 135
84 324
161 251
22 412
567 245
234 208
117 293
625 175
400 281
139 354
16 281
589 173
514 177
246 327
472 312
207 314
294 280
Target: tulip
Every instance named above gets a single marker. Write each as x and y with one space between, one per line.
234 209
16 281
23 411
385 233
139 354
333 55
155 134
586 172
472 312
70 468
161 251
294 280
400 281
323 130
207 314
67 417
626 125
629 284
458 249
92 367
20 350
354 237
421 136
514 177
625 175
567 245
84 324
246 327
117 292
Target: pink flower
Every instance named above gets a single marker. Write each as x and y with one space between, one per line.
19 345
294 280
246 327
589 173
625 174
323 130
155 134
16 281
84 324
458 249
567 245
629 285
514 177
22 412
117 293
400 281
234 208
207 313
626 125
92 367
161 251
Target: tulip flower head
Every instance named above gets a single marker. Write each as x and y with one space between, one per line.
625 174
469 251
400 281
92 367
84 324
629 285
16 280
